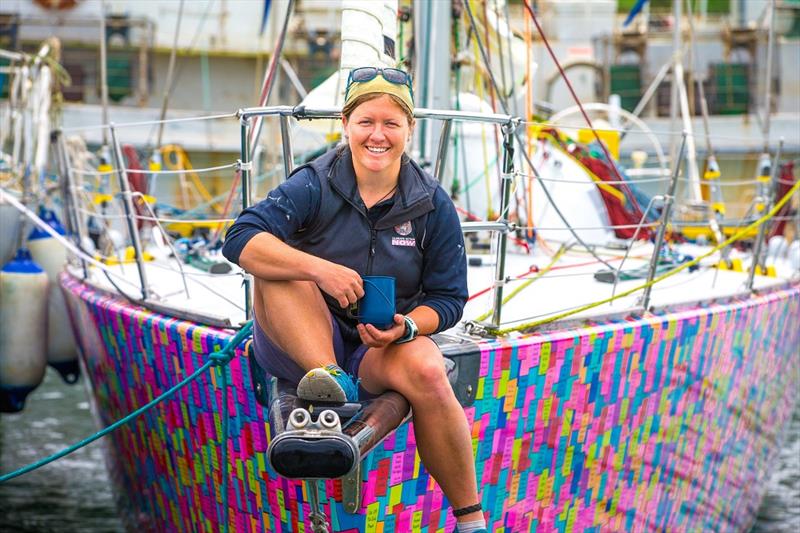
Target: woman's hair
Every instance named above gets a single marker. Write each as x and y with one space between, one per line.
347 110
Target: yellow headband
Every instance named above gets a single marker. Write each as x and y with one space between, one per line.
380 85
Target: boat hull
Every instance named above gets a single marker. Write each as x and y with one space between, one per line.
666 422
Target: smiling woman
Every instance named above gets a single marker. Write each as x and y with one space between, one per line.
365 209
377 130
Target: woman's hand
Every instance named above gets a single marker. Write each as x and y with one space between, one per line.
378 338
342 283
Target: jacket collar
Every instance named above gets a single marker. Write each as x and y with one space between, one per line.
414 195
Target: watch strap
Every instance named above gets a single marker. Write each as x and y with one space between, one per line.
411 331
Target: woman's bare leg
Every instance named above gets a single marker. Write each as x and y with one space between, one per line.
416 370
295 317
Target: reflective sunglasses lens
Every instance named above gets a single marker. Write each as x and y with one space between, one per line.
364 74
395 76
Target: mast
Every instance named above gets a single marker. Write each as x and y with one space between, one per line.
168 82
432 65
369 38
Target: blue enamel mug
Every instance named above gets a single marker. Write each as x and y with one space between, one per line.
376 307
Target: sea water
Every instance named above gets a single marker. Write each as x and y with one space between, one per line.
71 494
74 494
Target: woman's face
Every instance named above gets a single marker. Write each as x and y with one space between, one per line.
377 132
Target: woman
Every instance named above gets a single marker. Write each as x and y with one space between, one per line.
362 209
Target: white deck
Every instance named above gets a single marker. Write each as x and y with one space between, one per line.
220 298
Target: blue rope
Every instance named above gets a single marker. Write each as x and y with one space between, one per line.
215 359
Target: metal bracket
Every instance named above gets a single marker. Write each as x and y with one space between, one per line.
299 112
510 127
501 282
462 358
247 167
479 329
351 490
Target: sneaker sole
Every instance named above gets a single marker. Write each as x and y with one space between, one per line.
319 385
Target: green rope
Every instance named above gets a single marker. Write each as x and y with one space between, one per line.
219 358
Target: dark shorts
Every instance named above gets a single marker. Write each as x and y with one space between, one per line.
277 363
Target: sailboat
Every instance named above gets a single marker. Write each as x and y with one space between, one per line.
651 402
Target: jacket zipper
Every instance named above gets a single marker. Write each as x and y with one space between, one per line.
373 237
373 233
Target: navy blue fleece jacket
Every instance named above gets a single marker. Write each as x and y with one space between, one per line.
415 236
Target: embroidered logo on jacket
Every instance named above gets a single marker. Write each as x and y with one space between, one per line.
403 230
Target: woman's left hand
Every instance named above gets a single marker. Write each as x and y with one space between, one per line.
378 338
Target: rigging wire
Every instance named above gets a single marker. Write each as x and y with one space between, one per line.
528 115
170 72
255 131
494 89
609 159
269 76
568 84
121 125
522 143
172 84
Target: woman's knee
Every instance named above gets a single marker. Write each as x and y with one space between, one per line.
423 369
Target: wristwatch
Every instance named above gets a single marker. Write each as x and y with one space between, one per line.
411 331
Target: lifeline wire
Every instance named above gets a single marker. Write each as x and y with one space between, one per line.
520 141
60 238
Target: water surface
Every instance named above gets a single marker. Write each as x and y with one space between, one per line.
71 494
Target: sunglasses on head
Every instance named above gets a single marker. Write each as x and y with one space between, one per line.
392 75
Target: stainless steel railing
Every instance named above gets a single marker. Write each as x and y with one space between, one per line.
500 228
